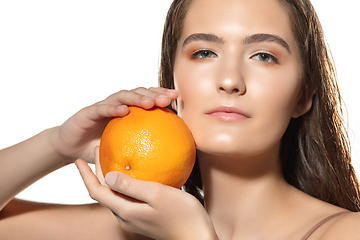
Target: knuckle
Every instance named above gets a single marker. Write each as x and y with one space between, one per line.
124 186
155 89
155 193
122 92
114 96
138 89
92 194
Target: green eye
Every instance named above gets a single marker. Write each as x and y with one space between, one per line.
202 54
265 57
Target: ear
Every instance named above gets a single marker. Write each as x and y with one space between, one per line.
304 103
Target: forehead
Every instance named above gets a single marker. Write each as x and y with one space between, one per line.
238 18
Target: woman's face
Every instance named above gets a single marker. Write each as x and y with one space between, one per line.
237 69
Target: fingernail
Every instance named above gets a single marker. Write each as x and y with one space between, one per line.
122 106
162 96
110 178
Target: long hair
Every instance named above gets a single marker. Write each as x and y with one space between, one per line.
315 151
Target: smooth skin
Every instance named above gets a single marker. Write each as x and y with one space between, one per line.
246 195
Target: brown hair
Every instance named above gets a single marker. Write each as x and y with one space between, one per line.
315 151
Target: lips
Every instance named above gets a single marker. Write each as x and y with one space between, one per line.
228 113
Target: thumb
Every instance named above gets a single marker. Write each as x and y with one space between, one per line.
134 188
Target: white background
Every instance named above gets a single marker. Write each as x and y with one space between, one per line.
57 57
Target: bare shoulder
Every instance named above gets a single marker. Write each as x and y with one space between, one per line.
52 221
343 227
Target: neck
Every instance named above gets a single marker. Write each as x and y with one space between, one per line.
241 191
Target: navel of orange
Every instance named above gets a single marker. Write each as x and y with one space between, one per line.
152 145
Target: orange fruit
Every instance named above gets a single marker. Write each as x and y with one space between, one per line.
149 144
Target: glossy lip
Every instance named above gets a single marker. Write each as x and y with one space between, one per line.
228 113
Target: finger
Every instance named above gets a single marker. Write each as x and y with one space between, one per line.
121 205
152 97
162 101
91 182
132 97
98 192
161 96
98 171
144 191
99 111
142 97
155 91
172 93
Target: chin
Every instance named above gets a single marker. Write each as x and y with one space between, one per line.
237 148
223 149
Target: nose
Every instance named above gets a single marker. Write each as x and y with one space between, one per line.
229 86
231 80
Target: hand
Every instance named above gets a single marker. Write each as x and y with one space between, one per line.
77 137
148 208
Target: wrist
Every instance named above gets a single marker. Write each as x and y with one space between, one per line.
53 135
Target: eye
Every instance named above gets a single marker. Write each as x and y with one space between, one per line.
265 57
203 54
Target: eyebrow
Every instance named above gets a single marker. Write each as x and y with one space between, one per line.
255 38
263 37
208 37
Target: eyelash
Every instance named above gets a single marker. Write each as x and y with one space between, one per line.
197 55
211 54
266 55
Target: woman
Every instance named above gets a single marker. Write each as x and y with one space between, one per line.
326 106
255 86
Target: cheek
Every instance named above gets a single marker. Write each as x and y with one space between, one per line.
278 94
274 102
195 89
194 86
